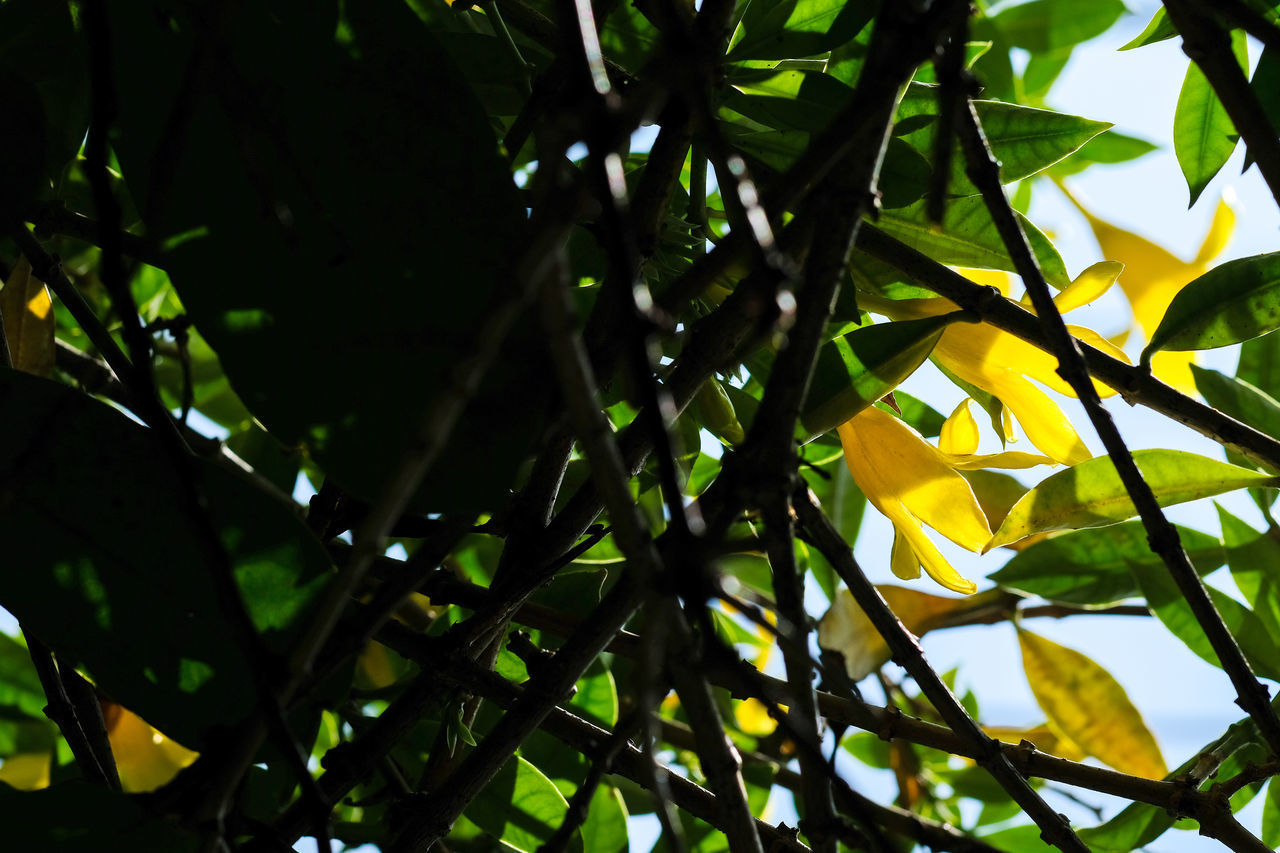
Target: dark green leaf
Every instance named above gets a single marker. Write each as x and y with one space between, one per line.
1230 303
76 817
326 289
1092 566
1265 85
1203 135
114 576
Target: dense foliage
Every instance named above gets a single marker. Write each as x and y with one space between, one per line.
432 425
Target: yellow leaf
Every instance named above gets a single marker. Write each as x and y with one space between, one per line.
1044 737
145 758
846 628
1089 706
26 771
28 321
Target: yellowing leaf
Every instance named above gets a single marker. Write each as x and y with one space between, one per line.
1090 707
1045 737
1091 494
26 771
145 758
28 321
845 627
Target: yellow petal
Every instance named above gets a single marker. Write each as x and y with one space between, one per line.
145 758
931 558
1001 281
753 718
903 559
1224 220
1004 459
1087 704
893 464
27 771
960 431
1089 285
1041 419
1174 368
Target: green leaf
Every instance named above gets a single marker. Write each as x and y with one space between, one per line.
1239 399
1045 25
1025 140
1091 495
324 288
1234 302
855 370
114 576
1265 85
1203 135
605 829
1271 817
521 808
783 29
1091 567
20 687
969 238
1254 559
1107 147
1259 364
922 417
1169 605
76 817
1158 28
597 696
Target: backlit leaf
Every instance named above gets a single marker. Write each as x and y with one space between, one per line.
1230 303
1089 706
782 29
1157 29
969 238
1203 135
1091 567
521 808
1091 494
1042 25
28 321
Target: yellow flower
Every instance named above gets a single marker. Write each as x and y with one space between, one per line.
145 758
913 484
1153 276
1004 366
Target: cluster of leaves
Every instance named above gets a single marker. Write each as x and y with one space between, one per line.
580 435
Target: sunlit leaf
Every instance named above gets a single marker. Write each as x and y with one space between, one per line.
1157 29
1231 303
145 758
1091 567
1089 706
605 828
969 238
1042 25
521 808
1203 135
781 29
1091 494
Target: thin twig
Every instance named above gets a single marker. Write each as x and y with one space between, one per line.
97 764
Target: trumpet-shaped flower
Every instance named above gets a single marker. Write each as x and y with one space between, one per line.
913 483
1004 366
1153 276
